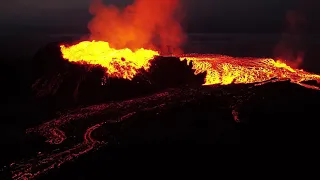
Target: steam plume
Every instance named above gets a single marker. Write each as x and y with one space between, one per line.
291 46
145 23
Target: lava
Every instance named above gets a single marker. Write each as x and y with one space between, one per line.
124 63
92 117
69 143
227 70
124 40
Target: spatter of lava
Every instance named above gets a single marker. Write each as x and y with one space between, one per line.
125 63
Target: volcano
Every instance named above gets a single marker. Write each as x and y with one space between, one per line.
82 111
76 109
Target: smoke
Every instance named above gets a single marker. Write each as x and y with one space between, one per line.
291 46
143 24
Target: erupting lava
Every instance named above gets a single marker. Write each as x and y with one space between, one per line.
120 36
125 63
122 63
122 32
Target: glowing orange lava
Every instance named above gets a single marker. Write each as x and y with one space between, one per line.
124 63
226 70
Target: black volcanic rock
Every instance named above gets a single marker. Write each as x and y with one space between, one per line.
47 60
311 82
172 72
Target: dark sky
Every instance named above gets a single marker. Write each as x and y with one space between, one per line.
202 15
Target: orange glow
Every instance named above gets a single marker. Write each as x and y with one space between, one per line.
144 23
122 63
129 37
121 39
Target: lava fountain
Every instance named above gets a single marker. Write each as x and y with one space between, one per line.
123 63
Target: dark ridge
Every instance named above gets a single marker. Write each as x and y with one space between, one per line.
311 82
171 72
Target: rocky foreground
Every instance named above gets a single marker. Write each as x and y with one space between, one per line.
271 112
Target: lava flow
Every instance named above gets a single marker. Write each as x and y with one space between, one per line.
59 130
224 70
227 70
